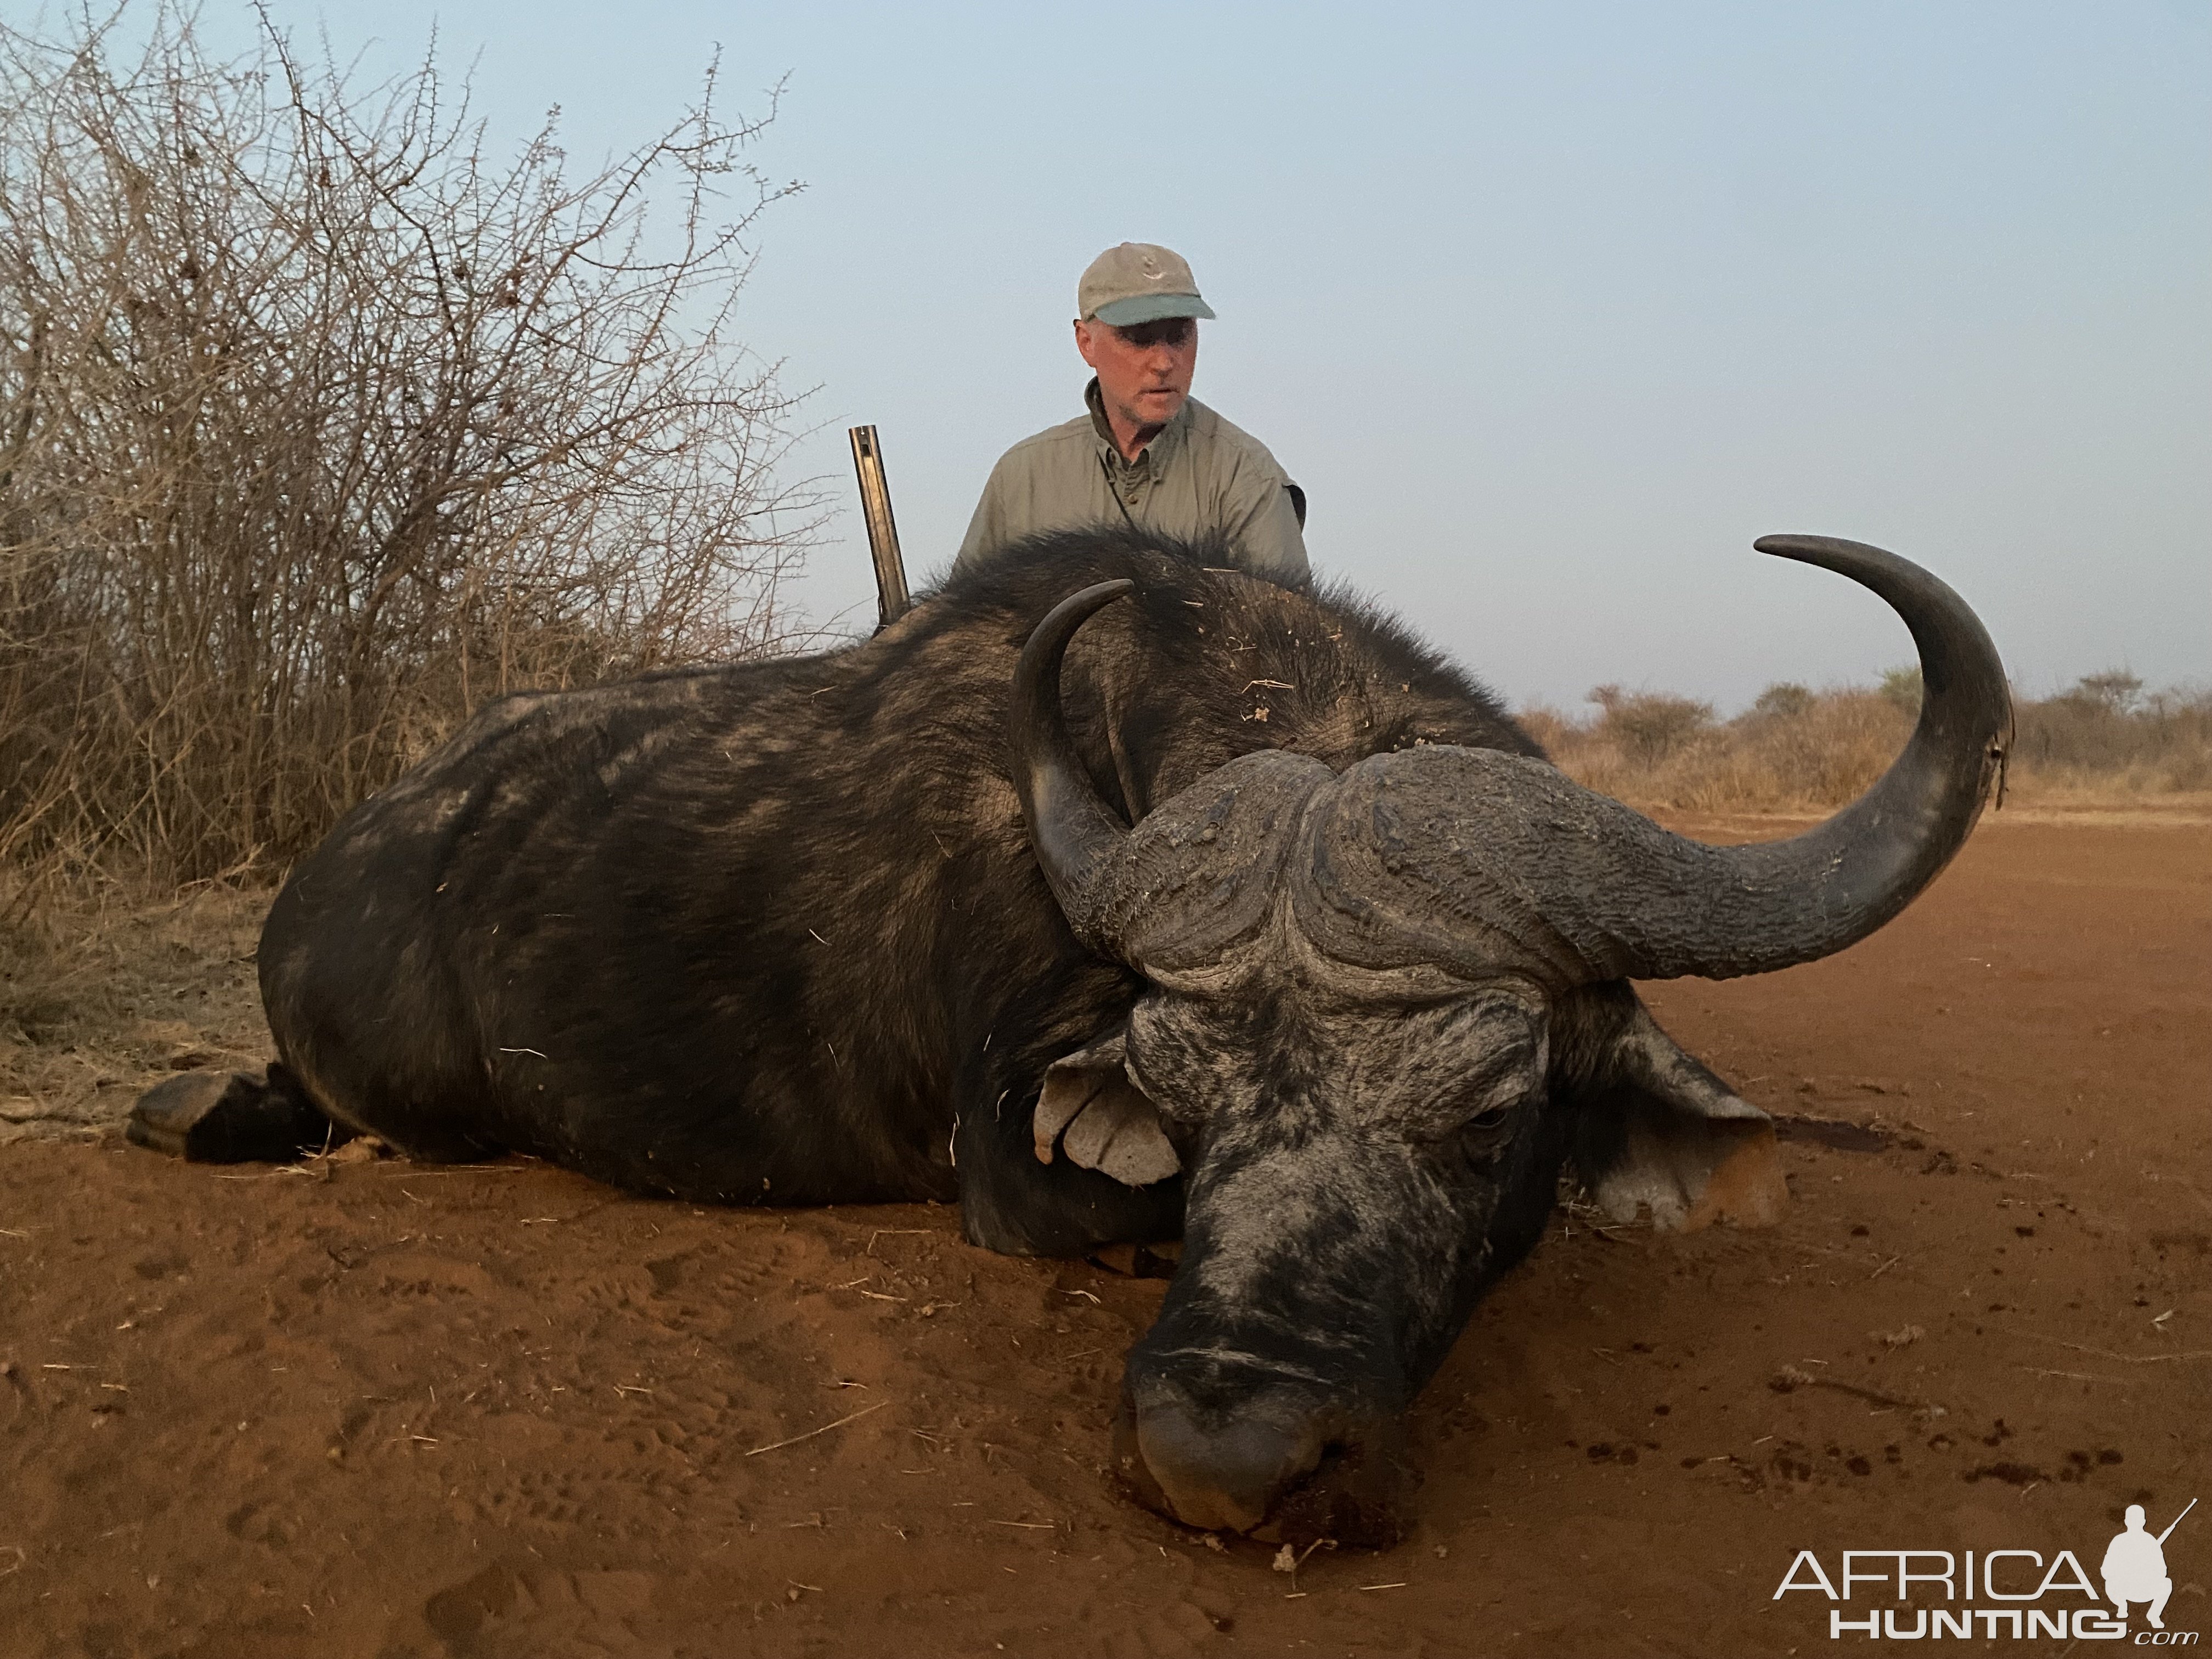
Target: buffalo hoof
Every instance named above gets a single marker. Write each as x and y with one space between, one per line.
224 1117
1281 1485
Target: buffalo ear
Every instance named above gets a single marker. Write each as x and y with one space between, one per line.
1100 1120
1671 1138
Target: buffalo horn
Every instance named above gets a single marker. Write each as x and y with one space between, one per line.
1771 905
1198 877
1480 858
1075 832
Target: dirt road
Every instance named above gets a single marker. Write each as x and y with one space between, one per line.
386 1410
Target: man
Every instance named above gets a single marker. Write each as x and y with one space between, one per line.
2135 1567
1148 454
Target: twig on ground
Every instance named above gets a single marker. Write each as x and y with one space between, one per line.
775 1445
2125 1359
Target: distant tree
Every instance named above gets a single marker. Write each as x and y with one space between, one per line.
1786 700
2115 690
1648 725
1902 687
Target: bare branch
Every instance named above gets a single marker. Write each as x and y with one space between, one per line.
317 427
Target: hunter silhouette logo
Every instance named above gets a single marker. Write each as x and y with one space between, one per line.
2134 1566
2032 1598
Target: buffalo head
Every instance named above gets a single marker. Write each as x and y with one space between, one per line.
1383 1007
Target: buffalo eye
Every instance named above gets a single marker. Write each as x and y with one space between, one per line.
1450 1129
1500 1050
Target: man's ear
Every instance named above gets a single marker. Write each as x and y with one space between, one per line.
1100 1120
1671 1138
1083 344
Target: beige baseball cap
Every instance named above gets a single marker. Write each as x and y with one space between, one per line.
1139 282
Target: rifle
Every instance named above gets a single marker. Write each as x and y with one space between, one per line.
2177 1519
892 599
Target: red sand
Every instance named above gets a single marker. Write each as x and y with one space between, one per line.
385 1410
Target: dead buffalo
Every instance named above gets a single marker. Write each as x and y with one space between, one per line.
1118 899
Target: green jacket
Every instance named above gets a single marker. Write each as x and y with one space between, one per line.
1200 477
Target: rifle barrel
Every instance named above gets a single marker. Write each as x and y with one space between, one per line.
892 601
2177 1519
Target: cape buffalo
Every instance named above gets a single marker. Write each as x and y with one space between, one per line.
1257 924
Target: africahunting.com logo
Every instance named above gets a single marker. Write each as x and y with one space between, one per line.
1907 1596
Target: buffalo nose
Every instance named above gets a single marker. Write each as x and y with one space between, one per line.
1223 1478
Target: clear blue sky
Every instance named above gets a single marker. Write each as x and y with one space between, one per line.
1551 308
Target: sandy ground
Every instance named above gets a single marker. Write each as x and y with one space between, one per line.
383 1410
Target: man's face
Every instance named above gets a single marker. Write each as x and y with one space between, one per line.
1144 371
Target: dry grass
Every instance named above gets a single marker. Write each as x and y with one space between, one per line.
105 990
2102 743
1800 754
2106 740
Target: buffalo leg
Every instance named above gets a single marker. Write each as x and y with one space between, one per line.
235 1117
